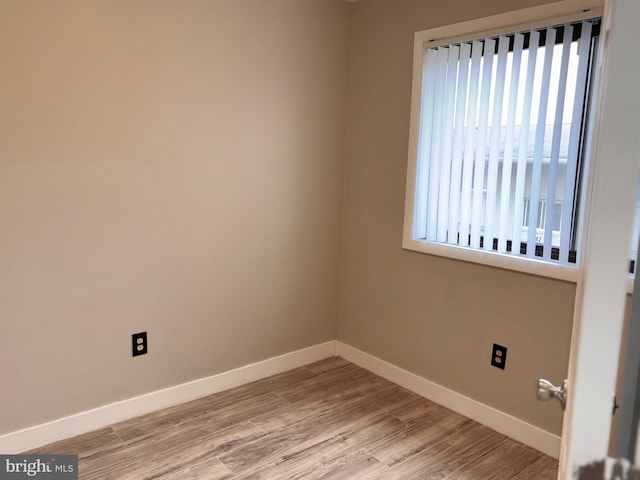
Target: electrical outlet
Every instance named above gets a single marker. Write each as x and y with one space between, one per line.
139 343
499 356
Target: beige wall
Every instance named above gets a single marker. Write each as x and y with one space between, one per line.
433 316
169 166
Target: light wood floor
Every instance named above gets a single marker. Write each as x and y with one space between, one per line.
328 420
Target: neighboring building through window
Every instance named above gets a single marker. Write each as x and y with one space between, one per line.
541 222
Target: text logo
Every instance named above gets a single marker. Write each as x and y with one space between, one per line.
51 467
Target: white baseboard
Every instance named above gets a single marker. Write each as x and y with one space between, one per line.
38 435
504 423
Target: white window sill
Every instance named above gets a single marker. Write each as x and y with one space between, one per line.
529 265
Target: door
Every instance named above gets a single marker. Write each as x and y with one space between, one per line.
629 412
599 307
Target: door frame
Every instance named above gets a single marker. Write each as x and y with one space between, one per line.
629 412
601 289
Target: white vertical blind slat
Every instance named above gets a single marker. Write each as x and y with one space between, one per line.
447 138
436 144
584 46
470 138
588 147
481 143
494 146
554 161
424 144
523 148
507 164
538 149
456 156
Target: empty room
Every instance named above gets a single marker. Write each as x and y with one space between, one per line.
305 239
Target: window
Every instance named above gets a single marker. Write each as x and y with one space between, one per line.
499 144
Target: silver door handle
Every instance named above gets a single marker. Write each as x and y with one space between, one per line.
547 390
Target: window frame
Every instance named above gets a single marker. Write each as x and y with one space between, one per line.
520 20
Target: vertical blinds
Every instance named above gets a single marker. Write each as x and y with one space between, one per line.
500 140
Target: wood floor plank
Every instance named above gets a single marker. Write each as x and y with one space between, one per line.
353 466
279 444
503 462
136 458
544 469
327 365
215 414
210 468
327 454
142 425
322 405
372 430
301 463
310 430
418 438
417 410
168 437
445 457
328 420
323 383
174 448
82 445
